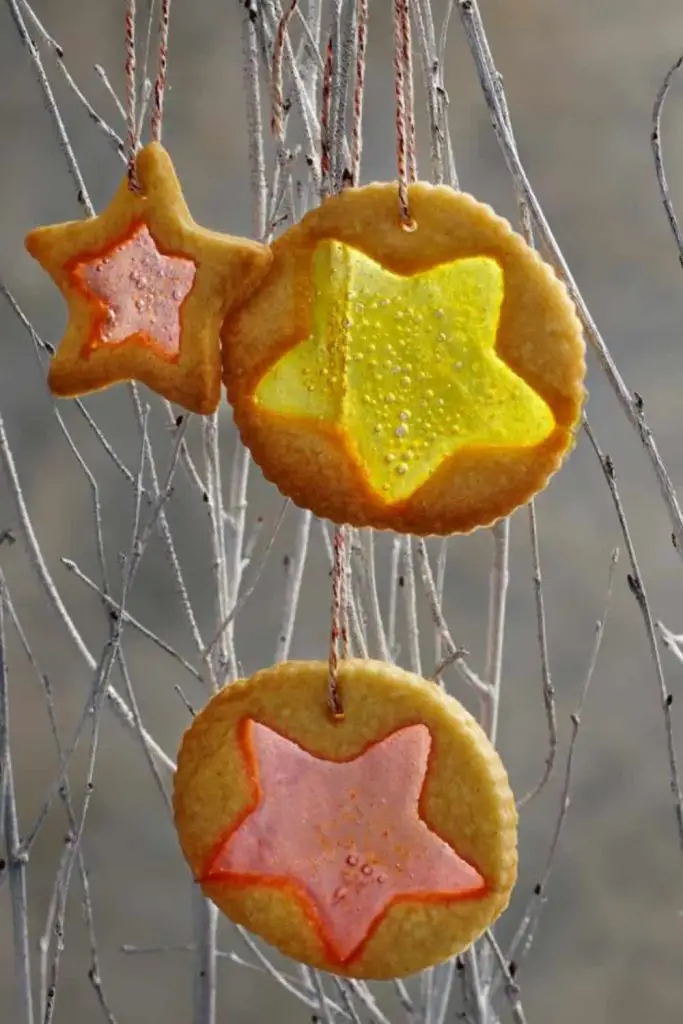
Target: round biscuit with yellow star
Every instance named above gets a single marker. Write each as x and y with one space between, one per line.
372 846
427 380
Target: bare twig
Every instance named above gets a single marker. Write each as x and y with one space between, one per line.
205 923
65 794
637 588
498 590
160 83
511 987
524 935
58 52
455 655
367 551
656 141
53 596
548 688
490 83
131 620
51 104
410 601
16 860
295 566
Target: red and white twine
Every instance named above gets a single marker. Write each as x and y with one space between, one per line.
406 156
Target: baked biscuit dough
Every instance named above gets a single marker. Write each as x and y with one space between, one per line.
146 289
475 330
372 847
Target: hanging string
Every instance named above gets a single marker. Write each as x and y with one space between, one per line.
338 630
405 108
359 89
325 115
407 55
277 125
131 122
346 595
160 84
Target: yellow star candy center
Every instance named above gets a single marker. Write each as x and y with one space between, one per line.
405 367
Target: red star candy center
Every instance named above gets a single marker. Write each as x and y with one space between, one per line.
141 290
347 836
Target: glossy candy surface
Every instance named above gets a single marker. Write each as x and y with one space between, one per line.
146 290
141 291
406 367
347 836
427 381
373 845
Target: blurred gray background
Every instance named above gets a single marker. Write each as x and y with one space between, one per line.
581 79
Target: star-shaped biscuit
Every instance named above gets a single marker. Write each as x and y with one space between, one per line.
427 381
372 846
146 289
346 836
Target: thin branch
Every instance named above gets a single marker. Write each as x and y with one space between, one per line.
16 861
205 923
95 704
637 588
42 347
656 141
257 163
345 994
58 51
294 567
455 655
223 660
431 75
630 403
166 534
393 597
511 987
440 1011
362 991
498 590
410 602
51 104
237 523
366 550
65 794
131 620
110 89
322 999
50 590
523 938
493 672
671 641
548 688
258 572
283 979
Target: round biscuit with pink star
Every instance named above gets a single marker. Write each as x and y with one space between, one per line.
373 846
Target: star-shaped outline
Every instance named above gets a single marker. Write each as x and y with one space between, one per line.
172 280
539 337
310 904
227 271
468 801
345 411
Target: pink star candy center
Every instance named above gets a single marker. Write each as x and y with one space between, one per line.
347 836
141 290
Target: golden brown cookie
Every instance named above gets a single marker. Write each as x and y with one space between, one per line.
146 289
372 847
427 381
